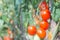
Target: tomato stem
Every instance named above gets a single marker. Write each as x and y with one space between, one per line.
42 39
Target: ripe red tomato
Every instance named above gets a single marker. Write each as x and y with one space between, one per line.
41 33
45 14
32 30
44 25
7 38
43 6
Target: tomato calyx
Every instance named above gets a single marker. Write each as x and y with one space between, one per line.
43 5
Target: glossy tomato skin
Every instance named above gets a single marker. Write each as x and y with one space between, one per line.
31 30
43 6
41 33
44 25
45 14
7 38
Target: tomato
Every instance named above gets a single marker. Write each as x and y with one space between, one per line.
9 31
44 25
7 38
43 6
45 14
32 30
41 33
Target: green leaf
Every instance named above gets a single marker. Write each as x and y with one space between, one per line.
56 4
58 12
4 17
1 22
53 16
56 18
26 24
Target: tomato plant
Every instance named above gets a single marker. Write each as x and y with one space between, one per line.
45 14
44 25
32 30
41 33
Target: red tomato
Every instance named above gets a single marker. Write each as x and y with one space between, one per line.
45 14
44 25
32 30
41 33
43 6
7 38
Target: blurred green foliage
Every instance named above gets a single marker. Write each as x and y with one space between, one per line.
56 11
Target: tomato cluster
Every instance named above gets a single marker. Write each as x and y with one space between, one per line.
44 25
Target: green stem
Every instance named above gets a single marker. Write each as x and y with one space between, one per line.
42 39
55 31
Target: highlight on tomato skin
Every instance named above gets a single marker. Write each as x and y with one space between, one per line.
32 30
41 33
45 14
44 25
